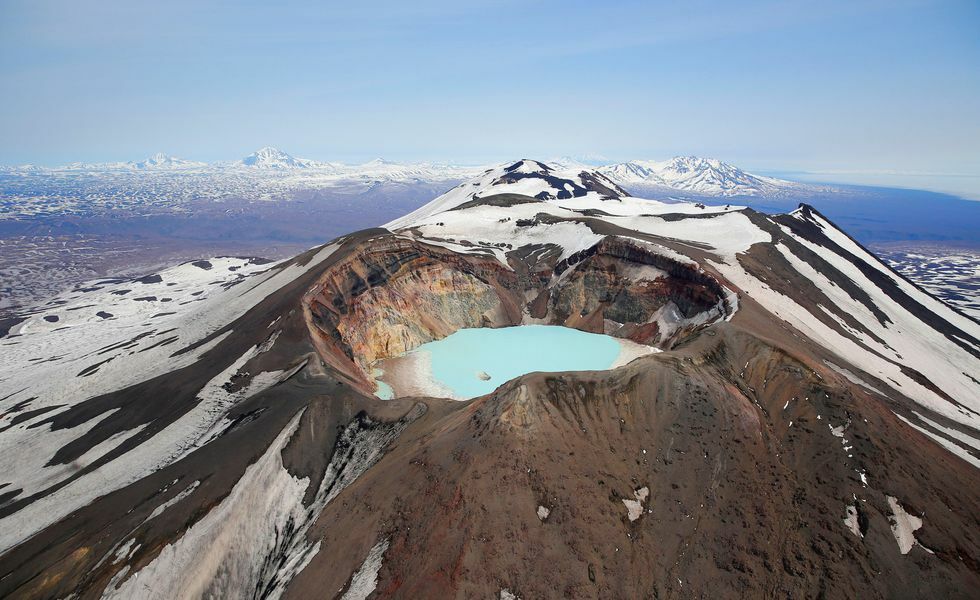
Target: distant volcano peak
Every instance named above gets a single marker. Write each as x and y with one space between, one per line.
270 157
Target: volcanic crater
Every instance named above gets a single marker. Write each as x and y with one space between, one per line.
394 294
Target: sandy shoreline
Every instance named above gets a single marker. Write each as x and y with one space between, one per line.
411 375
629 351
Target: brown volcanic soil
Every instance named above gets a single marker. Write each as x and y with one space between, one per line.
740 504
729 429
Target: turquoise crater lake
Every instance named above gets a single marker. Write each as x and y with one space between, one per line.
474 362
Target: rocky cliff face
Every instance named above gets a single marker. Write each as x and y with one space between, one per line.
621 288
395 294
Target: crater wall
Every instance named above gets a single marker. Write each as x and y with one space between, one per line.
394 293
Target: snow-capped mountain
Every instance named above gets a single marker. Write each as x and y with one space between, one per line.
526 177
273 158
706 176
214 429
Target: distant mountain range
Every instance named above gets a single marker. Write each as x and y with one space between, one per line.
706 176
689 175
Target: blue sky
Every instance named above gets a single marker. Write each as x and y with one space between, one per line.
857 85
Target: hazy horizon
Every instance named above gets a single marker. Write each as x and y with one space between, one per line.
965 186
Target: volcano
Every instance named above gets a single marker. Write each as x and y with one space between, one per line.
806 424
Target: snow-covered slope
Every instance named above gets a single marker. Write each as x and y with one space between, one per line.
104 337
800 379
705 176
525 177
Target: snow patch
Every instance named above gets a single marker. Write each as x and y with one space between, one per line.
903 526
634 508
851 521
365 580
